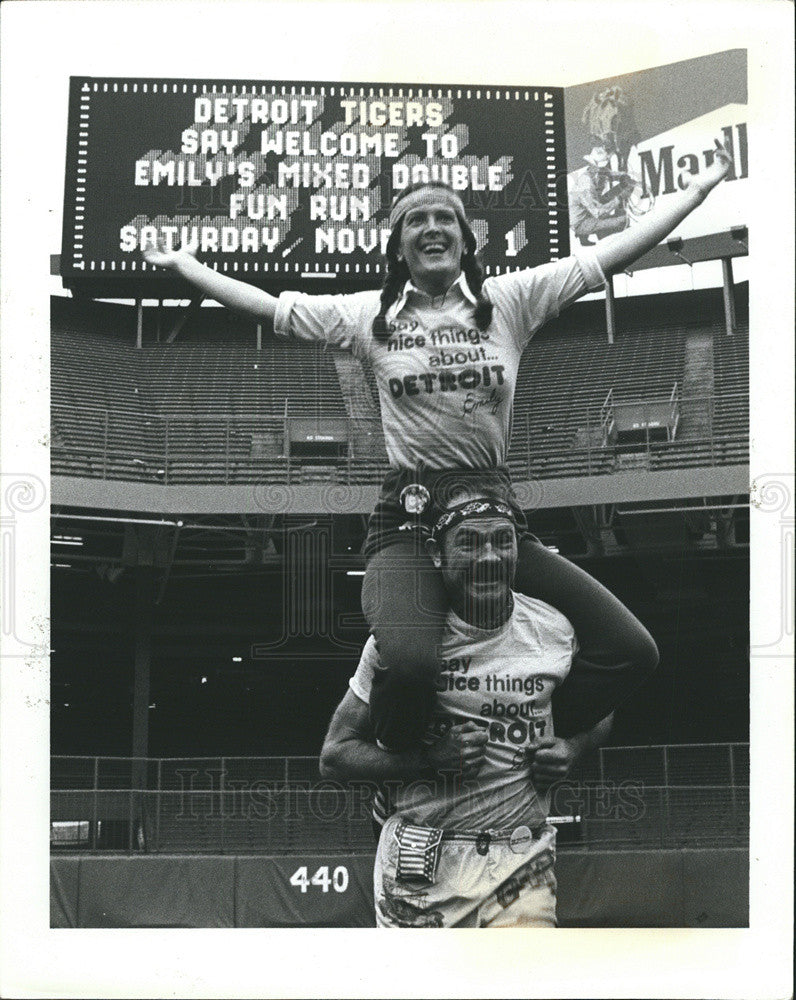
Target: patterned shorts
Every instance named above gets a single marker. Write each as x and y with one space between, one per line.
469 884
392 522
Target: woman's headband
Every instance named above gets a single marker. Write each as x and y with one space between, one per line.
425 197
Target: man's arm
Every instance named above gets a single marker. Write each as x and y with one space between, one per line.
350 751
554 758
620 250
230 292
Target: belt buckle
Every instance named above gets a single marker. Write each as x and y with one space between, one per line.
415 498
520 840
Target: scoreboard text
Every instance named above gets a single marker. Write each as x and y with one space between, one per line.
292 182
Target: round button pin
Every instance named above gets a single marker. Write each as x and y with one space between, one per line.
415 498
520 840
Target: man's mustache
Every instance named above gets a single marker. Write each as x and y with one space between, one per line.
488 574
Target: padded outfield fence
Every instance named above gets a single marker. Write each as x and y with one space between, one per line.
622 798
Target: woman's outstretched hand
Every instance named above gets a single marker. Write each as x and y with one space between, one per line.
230 292
617 252
160 255
714 174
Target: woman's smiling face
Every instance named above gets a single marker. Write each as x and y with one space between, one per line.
432 245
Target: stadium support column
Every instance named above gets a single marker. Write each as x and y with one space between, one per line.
191 313
610 312
729 295
142 662
139 323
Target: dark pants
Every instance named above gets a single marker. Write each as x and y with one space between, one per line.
405 604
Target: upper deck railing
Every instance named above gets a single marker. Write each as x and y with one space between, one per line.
102 443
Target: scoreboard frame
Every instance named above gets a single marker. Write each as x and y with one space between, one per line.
506 144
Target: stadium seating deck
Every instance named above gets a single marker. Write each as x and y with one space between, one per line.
212 409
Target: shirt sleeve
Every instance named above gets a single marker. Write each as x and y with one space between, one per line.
362 681
530 298
342 320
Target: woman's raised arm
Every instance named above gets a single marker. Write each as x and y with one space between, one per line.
230 292
620 250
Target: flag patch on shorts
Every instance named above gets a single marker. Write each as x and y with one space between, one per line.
418 851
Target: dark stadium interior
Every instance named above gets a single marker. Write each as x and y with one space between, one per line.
280 702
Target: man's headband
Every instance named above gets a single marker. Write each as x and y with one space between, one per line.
469 510
427 196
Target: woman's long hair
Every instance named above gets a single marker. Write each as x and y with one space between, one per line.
397 272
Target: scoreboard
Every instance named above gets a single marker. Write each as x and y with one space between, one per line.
290 183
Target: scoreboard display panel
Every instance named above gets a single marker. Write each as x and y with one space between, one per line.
290 183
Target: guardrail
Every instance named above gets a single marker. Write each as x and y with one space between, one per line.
666 796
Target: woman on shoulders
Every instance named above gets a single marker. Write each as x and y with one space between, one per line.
445 345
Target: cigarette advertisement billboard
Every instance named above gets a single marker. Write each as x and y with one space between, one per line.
633 140
292 182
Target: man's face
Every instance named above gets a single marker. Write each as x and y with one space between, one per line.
478 559
432 243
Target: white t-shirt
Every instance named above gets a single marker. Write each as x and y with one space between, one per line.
446 388
503 679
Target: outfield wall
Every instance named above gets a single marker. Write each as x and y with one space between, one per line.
675 888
